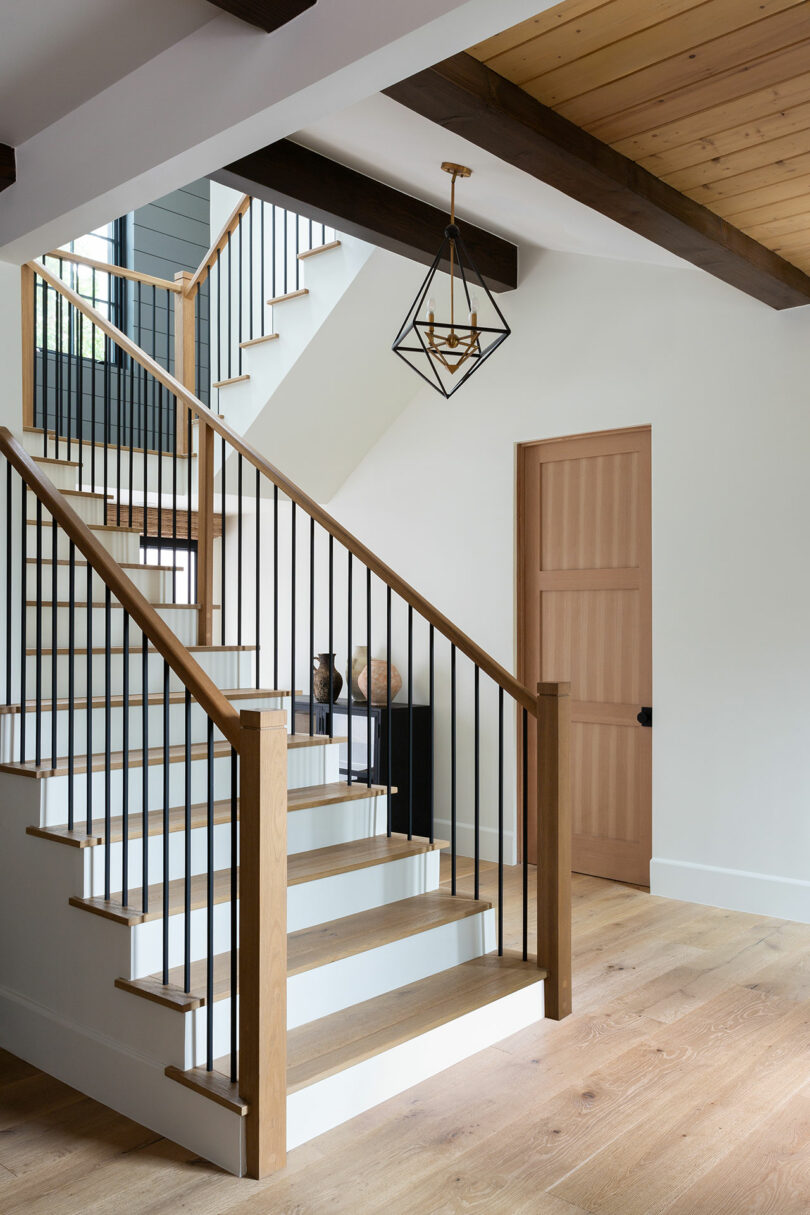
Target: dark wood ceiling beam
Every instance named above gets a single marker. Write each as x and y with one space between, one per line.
268 15
323 190
469 99
8 166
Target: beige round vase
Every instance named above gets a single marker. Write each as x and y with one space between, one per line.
379 682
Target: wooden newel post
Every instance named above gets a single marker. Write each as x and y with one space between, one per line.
263 937
554 845
184 352
27 304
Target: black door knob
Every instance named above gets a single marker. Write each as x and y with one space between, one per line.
644 718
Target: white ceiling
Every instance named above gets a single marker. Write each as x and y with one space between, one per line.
56 54
393 144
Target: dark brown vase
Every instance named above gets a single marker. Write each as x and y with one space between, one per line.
320 682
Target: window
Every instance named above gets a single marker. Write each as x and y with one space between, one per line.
57 323
182 555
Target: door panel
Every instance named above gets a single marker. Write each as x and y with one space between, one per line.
584 616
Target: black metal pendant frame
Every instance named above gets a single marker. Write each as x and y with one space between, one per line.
413 329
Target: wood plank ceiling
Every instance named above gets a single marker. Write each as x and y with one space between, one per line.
712 96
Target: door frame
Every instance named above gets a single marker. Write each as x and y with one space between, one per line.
521 449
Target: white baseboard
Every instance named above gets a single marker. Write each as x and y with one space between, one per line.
123 1080
488 840
735 889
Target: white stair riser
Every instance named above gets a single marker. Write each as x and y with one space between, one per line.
89 508
10 727
227 668
322 826
147 939
63 476
54 789
331 898
33 443
182 621
122 545
336 1099
93 886
320 833
327 989
313 766
155 585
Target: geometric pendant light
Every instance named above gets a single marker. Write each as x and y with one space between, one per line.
445 343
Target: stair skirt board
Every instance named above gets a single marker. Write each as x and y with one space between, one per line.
318 1108
121 1079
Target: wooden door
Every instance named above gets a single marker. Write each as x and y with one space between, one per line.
584 615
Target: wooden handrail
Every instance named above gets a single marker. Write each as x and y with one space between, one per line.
148 280
231 223
518 691
193 677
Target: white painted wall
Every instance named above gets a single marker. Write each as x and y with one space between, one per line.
724 383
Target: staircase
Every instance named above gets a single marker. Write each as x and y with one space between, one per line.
206 922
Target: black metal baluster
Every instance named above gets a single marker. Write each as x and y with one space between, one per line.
187 849
239 273
45 363
525 782
9 641
218 267
368 677
54 637
145 775
107 736
234 909
331 637
80 394
106 420
209 961
23 630
286 252
223 580
166 780
93 436
71 677
410 722
70 411
159 473
258 577
500 821
292 609
131 436
349 672
311 624
275 591
57 375
452 769
38 627
189 440
125 762
230 307
432 717
174 494
250 276
389 737
157 418
477 779
118 426
89 706
262 304
239 546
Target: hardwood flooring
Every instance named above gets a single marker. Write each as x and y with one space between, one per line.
680 1086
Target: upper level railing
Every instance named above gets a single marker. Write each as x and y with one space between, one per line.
287 578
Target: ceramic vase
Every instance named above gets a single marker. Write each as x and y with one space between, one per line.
320 682
379 681
359 662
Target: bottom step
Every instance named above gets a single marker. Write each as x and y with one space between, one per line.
345 1063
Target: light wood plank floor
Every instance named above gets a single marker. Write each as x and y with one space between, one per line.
681 1085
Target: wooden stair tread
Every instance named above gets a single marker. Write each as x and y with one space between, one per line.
258 341
343 1039
290 295
332 793
332 244
135 649
319 795
235 379
53 460
125 565
355 854
99 443
136 699
311 948
177 755
82 603
301 867
47 525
